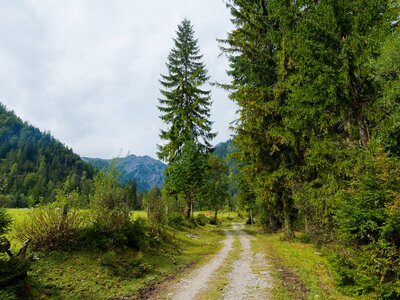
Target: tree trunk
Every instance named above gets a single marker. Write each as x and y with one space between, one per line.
287 224
362 130
306 223
216 215
189 209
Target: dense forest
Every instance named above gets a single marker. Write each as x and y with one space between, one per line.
34 165
317 85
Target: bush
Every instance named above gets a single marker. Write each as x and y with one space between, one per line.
108 202
177 220
202 220
367 217
214 221
50 228
133 234
156 208
137 234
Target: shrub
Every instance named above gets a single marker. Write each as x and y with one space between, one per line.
137 234
50 228
156 208
202 219
108 202
177 220
133 234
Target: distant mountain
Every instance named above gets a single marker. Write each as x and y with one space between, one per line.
223 150
33 164
148 172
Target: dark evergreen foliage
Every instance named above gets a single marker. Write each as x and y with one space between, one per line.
185 107
13 271
316 83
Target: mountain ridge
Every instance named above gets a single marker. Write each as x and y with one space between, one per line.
34 164
147 171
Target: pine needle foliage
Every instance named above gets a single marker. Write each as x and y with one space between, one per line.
185 106
316 83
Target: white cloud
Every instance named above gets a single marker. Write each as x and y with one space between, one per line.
87 71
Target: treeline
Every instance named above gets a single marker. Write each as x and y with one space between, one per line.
33 165
317 85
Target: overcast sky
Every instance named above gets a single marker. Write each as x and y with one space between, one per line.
88 70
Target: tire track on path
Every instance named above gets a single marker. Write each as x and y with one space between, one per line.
249 278
244 283
189 287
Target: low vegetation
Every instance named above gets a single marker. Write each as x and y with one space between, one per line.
103 266
299 270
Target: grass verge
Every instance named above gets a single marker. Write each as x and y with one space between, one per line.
299 270
116 273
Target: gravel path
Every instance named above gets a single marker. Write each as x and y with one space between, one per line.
188 288
249 278
244 283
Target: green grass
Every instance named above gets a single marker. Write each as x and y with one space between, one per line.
300 271
94 275
117 272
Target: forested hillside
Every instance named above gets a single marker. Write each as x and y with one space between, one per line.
146 171
317 85
34 164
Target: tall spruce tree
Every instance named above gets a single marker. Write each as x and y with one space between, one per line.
185 107
260 65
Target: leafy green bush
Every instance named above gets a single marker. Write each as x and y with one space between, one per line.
133 234
202 219
108 202
155 205
137 234
13 272
177 220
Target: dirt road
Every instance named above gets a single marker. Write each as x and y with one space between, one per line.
248 279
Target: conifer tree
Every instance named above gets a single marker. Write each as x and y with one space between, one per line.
260 65
185 106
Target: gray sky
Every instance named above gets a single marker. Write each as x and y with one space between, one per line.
88 70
